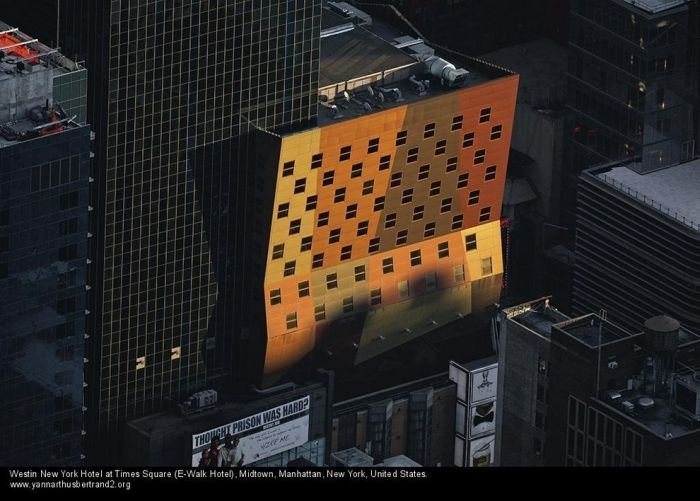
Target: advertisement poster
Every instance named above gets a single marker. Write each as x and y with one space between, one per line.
482 451
482 419
263 434
484 384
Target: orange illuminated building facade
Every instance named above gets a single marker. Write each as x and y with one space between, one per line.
385 223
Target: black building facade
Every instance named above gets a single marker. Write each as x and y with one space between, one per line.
631 86
179 85
44 197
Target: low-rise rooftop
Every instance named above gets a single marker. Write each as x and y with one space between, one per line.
656 6
538 316
674 191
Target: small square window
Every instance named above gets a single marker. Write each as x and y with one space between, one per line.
288 169
385 162
457 221
345 153
305 244
490 173
429 131
304 288
373 245
291 321
395 180
317 160
451 164
412 155
388 265
317 261
328 178
390 221
373 145
289 268
339 195
401 237
440 147
486 266
299 186
356 170
401 137
458 271
457 122
375 297
323 219
407 196
278 251
431 281
415 257
378 204
443 250
418 212
294 226
334 236
311 201
473 197
470 242
446 205
496 132
403 289
320 312
332 281
429 230
351 211
468 140
434 189
275 296
282 210
485 214
479 157
347 305
368 187
360 274
346 253
423 172
485 115
362 228
463 180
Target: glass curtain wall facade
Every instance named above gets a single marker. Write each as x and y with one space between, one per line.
43 256
628 87
178 86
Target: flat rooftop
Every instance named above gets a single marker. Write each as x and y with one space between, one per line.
538 316
353 58
659 416
355 53
675 190
656 6
593 331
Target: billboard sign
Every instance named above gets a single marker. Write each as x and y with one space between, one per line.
263 434
484 384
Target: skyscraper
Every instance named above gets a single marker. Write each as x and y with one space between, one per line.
177 86
44 180
631 86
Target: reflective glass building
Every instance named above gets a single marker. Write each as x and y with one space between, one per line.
44 183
